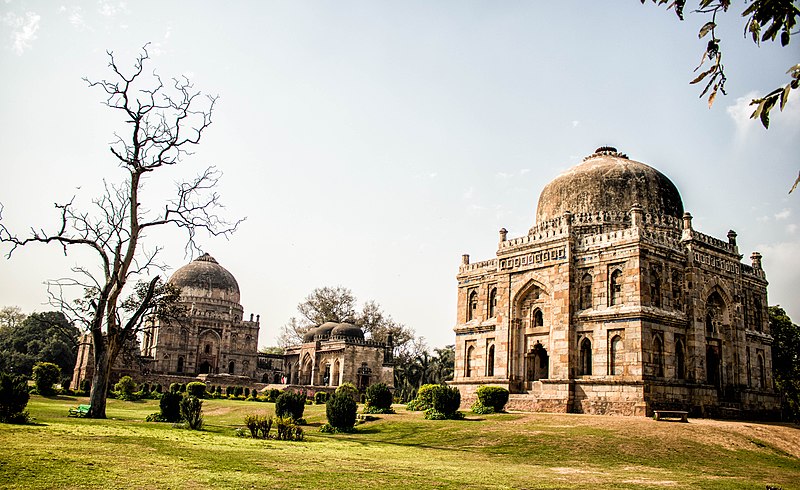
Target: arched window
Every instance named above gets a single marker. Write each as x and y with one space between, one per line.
615 287
680 360
757 318
715 310
180 364
184 337
655 287
748 367
616 357
336 369
207 349
585 368
677 290
470 364
658 356
472 306
231 367
762 373
586 291
490 361
538 318
492 302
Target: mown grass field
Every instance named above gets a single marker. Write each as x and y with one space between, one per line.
396 451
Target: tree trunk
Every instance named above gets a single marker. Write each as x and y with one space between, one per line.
97 397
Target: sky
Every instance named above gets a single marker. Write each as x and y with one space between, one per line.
370 144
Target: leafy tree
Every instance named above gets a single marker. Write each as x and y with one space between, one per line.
162 122
13 397
10 318
290 404
192 412
765 20
786 359
341 412
126 387
272 350
45 375
39 337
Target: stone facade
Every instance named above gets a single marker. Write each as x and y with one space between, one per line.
214 344
336 353
613 303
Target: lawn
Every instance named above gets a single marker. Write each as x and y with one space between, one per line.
513 450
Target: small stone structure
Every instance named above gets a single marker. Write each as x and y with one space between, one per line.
214 344
613 303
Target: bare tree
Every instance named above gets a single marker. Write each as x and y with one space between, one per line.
162 121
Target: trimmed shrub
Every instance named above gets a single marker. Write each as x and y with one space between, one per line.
45 375
495 397
192 412
238 390
341 412
258 425
424 399
125 388
229 391
320 397
157 388
218 390
174 388
287 429
170 405
182 387
145 388
273 394
13 398
446 400
480 408
246 392
348 389
196 388
290 404
379 398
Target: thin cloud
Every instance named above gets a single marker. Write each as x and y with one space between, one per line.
23 30
785 213
791 228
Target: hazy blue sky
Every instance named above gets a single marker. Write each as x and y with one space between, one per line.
371 143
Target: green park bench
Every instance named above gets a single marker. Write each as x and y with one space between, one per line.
79 411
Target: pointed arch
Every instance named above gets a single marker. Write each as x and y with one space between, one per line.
585 357
490 361
538 318
615 287
472 305
492 302
658 355
586 292
469 366
616 356
337 369
680 359
526 296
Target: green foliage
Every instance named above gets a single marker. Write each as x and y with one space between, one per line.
192 412
13 398
378 397
446 400
320 397
480 408
287 429
786 360
341 412
170 405
229 391
238 390
45 375
246 392
348 389
290 404
258 425
182 388
196 389
495 397
273 394
125 388
174 388
424 399
39 337
157 388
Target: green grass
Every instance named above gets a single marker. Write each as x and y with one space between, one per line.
395 451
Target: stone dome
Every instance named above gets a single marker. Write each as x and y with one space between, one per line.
347 330
204 277
326 328
309 336
609 181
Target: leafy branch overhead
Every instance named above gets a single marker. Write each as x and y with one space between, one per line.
766 20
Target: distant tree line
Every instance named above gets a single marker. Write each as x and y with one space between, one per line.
26 340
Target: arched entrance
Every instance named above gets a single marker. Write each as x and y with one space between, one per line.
537 364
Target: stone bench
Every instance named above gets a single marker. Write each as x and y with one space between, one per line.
671 414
